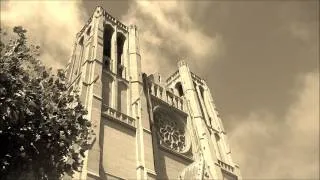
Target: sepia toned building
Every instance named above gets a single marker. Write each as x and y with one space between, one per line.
145 127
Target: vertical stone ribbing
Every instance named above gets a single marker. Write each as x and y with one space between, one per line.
225 155
95 93
113 57
198 119
218 126
135 83
204 109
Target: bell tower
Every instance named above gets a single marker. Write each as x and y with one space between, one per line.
105 67
145 128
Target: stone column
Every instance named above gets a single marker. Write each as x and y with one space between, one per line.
145 155
204 109
210 109
136 87
198 120
226 154
114 91
92 166
84 68
134 65
215 125
126 73
113 54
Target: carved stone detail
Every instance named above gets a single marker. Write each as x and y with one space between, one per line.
171 133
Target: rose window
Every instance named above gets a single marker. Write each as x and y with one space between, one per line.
171 134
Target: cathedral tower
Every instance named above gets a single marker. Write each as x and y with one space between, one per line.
144 128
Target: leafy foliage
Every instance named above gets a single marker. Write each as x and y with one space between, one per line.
43 129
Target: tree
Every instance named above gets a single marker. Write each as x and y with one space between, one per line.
43 129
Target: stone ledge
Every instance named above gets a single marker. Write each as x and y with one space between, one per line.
147 131
226 166
119 117
152 172
113 176
115 76
92 174
165 104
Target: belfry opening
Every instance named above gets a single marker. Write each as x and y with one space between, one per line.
107 36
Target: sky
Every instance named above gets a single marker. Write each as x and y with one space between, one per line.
259 58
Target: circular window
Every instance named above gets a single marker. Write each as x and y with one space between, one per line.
172 132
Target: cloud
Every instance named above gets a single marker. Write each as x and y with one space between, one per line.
167 31
168 34
299 31
285 147
51 24
306 32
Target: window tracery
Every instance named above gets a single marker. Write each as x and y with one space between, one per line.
171 133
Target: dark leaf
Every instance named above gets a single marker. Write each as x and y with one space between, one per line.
39 120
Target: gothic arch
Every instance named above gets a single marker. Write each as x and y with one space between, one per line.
107 36
219 148
121 39
179 89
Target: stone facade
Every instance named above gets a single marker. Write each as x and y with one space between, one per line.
145 128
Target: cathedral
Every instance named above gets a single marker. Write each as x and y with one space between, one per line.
145 127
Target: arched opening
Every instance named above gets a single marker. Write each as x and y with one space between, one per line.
218 147
88 31
81 48
79 54
196 86
201 92
179 89
120 45
107 35
81 41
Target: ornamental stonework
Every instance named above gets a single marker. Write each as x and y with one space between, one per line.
172 133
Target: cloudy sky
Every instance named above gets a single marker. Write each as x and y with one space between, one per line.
260 59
